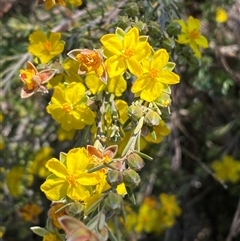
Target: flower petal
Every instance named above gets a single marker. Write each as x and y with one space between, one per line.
88 179
112 43
152 91
193 24
37 37
168 77
195 49
77 160
131 38
115 66
134 66
140 84
160 59
78 193
202 41
57 168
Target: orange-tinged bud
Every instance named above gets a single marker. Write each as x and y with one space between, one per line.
114 178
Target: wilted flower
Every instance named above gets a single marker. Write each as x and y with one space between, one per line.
34 80
76 230
30 212
48 4
90 60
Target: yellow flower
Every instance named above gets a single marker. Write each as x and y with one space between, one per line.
51 237
37 167
227 169
169 204
116 85
2 231
34 80
45 48
161 130
157 74
221 15
125 51
70 178
190 34
90 60
64 135
76 3
48 4
68 107
14 181
29 212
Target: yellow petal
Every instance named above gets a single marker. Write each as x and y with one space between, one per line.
202 41
195 49
54 188
77 160
115 66
94 84
131 38
160 59
139 84
168 77
57 168
183 39
117 85
112 43
152 91
183 26
193 24
37 36
78 193
54 37
134 66
88 179
74 92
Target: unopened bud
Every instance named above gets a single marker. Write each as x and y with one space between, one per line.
113 202
152 118
131 178
174 29
135 112
168 44
114 177
135 162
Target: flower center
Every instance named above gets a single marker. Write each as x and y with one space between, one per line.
153 73
71 180
26 76
129 52
47 46
67 107
194 34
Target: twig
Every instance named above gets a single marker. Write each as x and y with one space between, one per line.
205 167
235 226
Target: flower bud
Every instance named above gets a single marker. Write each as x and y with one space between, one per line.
135 162
131 9
131 178
113 202
152 118
135 112
75 208
154 29
168 44
114 177
174 29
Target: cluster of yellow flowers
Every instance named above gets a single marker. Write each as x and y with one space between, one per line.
153 216
87 92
